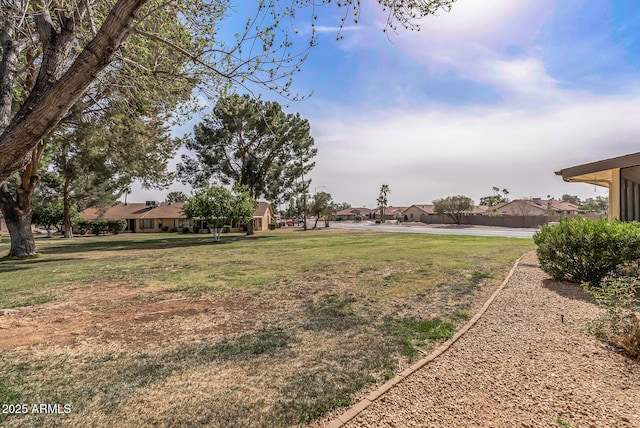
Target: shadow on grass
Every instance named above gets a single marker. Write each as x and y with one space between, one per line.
79 245
9 265
567 289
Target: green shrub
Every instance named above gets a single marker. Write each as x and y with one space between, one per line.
98 227
186 230
174 229
226 228
272 226
584 250
165 228
619 325
116 226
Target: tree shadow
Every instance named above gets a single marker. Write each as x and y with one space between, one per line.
567 290
79 245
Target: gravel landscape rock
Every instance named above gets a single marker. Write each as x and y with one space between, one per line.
529 362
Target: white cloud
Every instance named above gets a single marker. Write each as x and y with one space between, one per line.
473 41
431 153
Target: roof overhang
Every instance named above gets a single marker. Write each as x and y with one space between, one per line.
599 173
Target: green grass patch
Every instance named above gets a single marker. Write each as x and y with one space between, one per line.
477 277
335 319
417 333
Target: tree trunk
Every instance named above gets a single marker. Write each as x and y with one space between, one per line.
17 215
48 103
250 227
17 211
66 197
315 225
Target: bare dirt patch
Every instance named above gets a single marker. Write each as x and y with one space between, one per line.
129 316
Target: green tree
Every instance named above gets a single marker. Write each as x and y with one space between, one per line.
322 207
342 206
218 206
53 51
496 198
104 156
571 198
49 215
176 196
598 205
253 143
383 201
453 207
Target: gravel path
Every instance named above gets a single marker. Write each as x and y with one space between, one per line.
519 366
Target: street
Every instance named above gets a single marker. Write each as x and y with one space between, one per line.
505 232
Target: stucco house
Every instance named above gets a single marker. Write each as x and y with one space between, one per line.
353 213
263 216
417 212
142 217
621 175
534 207
153 217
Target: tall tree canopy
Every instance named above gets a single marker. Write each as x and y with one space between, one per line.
53 51
453 207
253 143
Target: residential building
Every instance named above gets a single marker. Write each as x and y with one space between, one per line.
417 212
263 216
621 175
153 217
533 207
354 213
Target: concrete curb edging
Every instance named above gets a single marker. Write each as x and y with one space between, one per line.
357 408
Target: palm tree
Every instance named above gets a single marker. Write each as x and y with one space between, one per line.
382 200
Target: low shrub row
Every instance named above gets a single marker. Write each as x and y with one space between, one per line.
586 251
98 227
603 257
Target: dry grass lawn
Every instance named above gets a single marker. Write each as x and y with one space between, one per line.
272 330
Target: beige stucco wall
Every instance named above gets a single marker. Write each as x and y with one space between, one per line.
417 213
614 195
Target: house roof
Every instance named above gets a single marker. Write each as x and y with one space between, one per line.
135 211
541 204
262 209
350 211
425 208
394 210
599 172
161 211
479 209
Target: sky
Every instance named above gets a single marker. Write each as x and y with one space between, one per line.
493 93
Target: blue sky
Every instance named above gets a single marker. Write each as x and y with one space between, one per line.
495 93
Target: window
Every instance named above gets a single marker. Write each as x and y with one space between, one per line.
146 223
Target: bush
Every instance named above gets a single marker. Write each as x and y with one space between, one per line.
273 226
226 228
174 229
98 227
165 228
620 324
584 250
116 226
186 230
